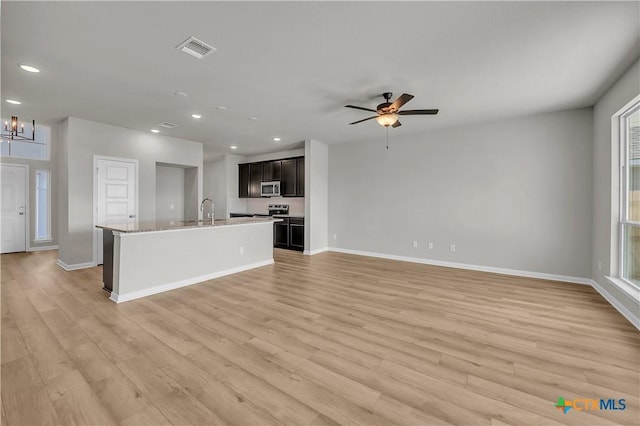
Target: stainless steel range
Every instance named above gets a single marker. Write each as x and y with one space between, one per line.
278 209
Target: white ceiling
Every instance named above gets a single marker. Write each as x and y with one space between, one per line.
294 65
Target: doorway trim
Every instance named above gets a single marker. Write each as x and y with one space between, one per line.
27 227
96 159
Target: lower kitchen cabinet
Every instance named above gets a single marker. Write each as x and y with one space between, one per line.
296 234
281 234
289 234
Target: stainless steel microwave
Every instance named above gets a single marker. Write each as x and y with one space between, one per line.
270 189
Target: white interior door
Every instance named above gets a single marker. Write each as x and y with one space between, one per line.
13 208
115 196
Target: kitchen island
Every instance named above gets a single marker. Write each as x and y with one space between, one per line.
145 258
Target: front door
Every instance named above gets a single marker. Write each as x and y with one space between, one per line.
13 208
115 196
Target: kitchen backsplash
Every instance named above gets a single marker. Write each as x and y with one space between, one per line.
260 205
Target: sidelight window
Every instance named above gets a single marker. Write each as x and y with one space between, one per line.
630 195
43 206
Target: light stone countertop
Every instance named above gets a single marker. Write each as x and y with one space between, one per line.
151 226
296 216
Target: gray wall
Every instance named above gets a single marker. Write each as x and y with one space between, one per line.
82 140
62 150
170 191
605 177
221 184
192 193
316 178
52 166
215 185
514 194
234 203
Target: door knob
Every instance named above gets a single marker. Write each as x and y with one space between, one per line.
131 216
21 213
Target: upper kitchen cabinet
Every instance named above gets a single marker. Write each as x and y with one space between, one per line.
288 180
290 173
255 179
277 169
300 177
271 170
243 180
267 171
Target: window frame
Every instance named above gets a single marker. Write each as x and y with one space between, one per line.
624 144
48 237
41 139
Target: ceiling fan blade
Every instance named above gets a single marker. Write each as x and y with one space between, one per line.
364 119
418 112
357 107
396 124
403 99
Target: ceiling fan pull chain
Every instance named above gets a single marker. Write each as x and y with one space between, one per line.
387 137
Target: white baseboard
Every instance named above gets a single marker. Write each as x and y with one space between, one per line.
316 251
119 298
504 271
75 265
633 318
42 248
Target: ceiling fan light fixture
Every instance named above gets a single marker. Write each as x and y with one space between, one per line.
387 120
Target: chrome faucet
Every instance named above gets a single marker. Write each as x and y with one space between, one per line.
202 208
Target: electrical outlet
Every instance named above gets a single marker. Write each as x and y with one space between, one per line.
241 249
452 247
430 245
172 206
599 265
335 237
415 244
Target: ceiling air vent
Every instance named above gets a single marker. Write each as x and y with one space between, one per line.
195 47
167 125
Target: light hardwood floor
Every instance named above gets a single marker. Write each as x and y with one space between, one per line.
328 339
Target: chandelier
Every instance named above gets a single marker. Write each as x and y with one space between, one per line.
15 131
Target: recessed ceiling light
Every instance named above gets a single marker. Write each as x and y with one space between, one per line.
11 101
221 108
233 147
253 118
196 116
276 139
29 68
181 94
155 131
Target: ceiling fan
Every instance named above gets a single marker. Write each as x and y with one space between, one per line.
388 112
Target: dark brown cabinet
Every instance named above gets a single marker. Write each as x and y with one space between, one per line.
243 180
255 179
290 173
267 171
296 233
281 234
289 234
300 177
277 166
271 170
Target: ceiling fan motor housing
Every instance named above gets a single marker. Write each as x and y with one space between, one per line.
383 107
